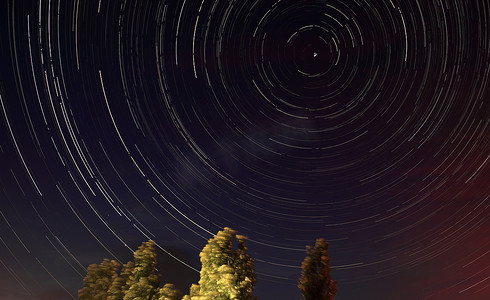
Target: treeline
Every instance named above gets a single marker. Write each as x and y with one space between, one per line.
227 273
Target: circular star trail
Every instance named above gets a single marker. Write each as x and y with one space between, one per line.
363 122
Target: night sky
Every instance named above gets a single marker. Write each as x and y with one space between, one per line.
365 122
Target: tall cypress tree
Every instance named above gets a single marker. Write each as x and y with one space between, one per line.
315 282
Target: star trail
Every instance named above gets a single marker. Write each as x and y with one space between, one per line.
364 122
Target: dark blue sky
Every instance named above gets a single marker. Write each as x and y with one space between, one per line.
362 122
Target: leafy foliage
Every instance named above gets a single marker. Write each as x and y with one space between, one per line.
120 284
315 282
98 280
168 292
143 281
136 281
225 273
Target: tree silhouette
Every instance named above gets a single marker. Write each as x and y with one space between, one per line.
315 282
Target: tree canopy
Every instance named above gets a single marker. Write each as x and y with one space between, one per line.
143 281
135 281
98 280
227 273
315 282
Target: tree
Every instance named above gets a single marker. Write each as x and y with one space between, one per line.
225 273
167 292
315 282
143 281
98 280
120 284
194 292
137 281
245 278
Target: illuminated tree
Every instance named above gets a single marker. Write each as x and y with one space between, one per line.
98 280
119 285
225 273
143 282
137 281
167 292
244 268
195 291
315 282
